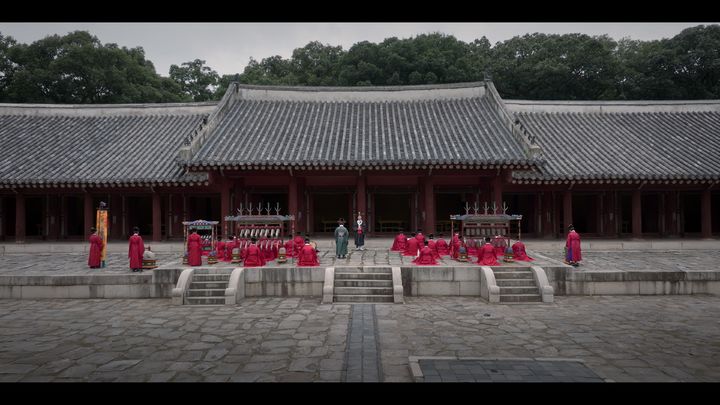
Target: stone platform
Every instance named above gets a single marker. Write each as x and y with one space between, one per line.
59 270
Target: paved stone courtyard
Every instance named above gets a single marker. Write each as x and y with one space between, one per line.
76 263
620 338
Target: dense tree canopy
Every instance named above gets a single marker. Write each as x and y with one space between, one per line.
77 68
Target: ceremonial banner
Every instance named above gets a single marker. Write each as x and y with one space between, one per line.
101 221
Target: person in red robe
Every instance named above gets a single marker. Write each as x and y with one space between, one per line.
411 247
229 246
442 247
519 252
308 255
487 255
433 246
253 256
194 249
299 243
572 245
290 247
399 243
426 256
456 245
500 246
220 249
420 238
96 245
136 249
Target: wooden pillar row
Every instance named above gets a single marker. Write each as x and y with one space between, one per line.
567 209
429 197
636 214
156 217
705 214
89 218
19 218
547 214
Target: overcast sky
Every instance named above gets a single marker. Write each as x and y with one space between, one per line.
227 47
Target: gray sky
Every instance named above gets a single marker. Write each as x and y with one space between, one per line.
227 47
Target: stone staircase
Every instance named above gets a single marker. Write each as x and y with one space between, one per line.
363 284
207 287
516 284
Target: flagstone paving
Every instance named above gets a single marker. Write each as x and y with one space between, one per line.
619 338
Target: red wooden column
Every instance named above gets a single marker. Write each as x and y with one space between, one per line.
636 214
361 198
89 218
547 214
429 197
156 213
293 200
567 209
19 218
705 214
497 190
225 208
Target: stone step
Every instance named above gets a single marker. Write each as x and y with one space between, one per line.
512 282
212 271
363 290
520 298
519 290
208 284
516 269
195 292
204 301
211 277
387 270
517 275
363 283
363 276
363 298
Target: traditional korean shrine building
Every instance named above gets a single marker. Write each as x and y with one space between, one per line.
406 157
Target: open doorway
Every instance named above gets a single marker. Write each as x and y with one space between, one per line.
327 208
585 213
690 209
524 204
392 212
446 204
650 208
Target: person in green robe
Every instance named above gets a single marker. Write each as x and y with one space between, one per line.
341 239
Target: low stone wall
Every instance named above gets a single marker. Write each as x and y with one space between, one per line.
284 282
448 281
95 286
566 281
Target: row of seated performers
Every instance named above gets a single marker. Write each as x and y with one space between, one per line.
255 252
427 252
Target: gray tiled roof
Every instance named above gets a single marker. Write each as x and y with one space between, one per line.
655 145
49 146
325 129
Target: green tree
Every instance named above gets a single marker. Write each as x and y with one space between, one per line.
195 79
78 69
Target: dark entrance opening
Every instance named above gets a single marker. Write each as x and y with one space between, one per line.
392 212
625 201
690 206
524 204
327 208
74 221
275 199
650 207
34 216
8 216
204 207
446 204
585 213
139 213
